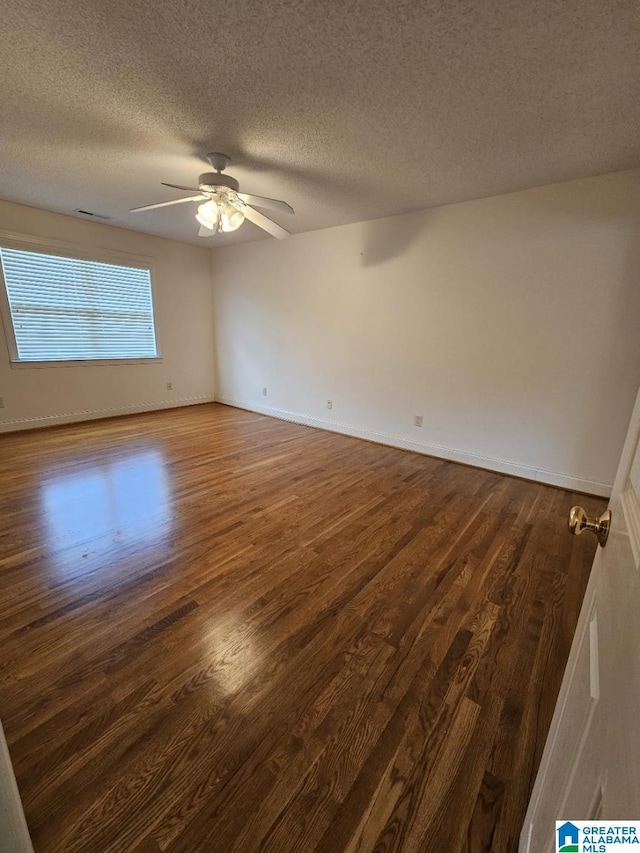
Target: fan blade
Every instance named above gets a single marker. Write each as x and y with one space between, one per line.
205 232
262 201
167 203
180 187
266 224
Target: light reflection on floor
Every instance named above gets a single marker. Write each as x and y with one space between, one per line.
231 645
125 503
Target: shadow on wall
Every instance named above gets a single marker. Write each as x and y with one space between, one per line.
386 239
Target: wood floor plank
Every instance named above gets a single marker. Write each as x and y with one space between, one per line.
225 632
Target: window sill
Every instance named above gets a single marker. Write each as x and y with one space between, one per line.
97 362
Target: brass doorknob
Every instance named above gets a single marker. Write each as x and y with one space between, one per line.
578 522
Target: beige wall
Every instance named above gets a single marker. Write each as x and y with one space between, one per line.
512 324
182 291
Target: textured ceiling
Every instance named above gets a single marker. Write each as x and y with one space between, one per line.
347 110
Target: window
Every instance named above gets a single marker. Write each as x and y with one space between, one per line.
71 309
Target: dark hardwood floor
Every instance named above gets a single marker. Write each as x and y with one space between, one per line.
222 632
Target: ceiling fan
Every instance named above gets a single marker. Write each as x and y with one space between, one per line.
223 207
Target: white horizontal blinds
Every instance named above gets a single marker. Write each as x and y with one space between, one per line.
66 309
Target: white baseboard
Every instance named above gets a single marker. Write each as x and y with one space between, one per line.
95 414
502 466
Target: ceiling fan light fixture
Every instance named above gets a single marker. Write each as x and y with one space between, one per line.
208 215
230 218
221 207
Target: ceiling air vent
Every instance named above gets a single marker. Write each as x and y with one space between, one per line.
91 215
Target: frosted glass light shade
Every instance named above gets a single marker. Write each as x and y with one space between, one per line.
209 215
231 218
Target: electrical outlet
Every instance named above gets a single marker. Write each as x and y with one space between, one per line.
264 392
169 386
417 420
329 404
1 402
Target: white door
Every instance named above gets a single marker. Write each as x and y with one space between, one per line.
590 767
14 836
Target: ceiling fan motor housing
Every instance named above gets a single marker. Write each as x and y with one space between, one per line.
210 181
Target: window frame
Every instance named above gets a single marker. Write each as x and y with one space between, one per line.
75 251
